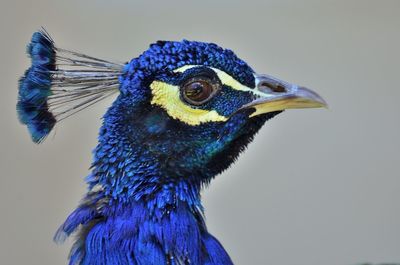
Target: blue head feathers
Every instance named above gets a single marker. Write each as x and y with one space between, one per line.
185 111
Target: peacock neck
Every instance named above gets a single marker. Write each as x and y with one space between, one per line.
139 209
158 219
155 217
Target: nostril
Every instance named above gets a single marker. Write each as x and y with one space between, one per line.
280 89
274 87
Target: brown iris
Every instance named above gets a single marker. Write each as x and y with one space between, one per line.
197 92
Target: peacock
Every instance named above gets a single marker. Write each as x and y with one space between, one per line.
183 113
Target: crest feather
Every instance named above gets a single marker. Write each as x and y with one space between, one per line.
60 83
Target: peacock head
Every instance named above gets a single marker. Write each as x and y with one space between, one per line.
195 106
190 107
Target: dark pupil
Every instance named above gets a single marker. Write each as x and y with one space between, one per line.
198 91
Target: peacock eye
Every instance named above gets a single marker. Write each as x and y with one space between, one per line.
197 91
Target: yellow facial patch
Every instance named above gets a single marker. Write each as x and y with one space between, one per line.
168 97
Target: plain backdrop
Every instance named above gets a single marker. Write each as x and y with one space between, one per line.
316 187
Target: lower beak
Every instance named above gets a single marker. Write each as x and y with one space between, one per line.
277 95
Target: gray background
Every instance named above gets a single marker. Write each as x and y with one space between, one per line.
316 186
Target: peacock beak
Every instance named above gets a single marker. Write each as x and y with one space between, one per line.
276 95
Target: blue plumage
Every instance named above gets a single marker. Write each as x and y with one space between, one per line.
184 113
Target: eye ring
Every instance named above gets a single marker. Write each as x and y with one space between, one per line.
198 90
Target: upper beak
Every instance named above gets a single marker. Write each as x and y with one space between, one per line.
276 95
